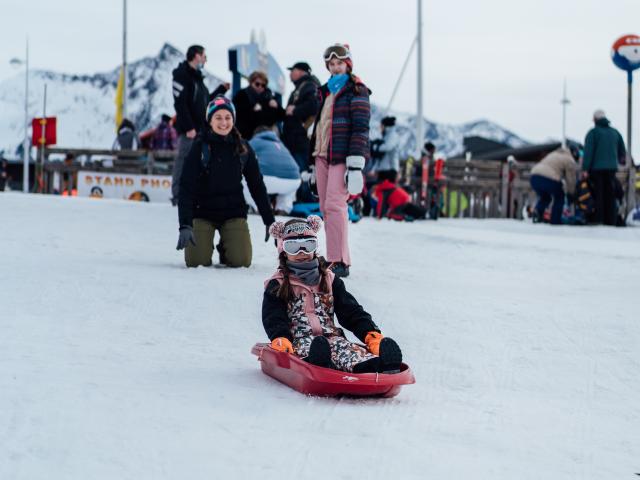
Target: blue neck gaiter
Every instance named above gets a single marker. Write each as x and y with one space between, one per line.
336 82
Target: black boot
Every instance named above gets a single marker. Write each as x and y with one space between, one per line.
390 356
339 269
320 353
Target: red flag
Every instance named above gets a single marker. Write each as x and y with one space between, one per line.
44 131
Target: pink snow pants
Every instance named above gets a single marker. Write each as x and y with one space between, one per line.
333 194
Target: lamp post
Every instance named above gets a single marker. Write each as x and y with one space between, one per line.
25 142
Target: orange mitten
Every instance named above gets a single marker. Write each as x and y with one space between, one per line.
373 340
282 345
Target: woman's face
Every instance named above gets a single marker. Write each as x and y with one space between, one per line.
222 122
337 66
300 257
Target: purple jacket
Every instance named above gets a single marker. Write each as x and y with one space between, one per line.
350 121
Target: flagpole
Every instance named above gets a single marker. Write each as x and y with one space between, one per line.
25 143
124 58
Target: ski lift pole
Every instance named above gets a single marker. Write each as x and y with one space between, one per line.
419 115
404 68
39 185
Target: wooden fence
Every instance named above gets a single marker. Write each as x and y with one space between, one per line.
495 189
471 188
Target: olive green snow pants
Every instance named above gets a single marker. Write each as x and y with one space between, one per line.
234 245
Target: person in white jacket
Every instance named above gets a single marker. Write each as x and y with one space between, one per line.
388 149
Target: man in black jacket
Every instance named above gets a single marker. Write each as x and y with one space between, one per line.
301 111
190 99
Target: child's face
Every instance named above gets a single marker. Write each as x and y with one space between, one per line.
337 66
300 257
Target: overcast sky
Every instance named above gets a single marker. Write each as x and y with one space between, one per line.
504 60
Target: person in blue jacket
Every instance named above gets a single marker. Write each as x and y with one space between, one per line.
279 169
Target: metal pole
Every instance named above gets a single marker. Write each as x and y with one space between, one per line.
419 114
25 143
43 139
124 58
631 186
565 102
404 67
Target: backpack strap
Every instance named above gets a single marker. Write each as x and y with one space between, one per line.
205 158
244 158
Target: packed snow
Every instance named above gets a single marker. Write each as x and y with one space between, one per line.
117 362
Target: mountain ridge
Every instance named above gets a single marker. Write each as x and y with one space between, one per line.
85 107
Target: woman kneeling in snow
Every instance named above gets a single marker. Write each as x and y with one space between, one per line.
299 303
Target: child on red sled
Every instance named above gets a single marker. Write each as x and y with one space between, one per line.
299 303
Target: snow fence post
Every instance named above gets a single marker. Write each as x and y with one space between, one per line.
504 190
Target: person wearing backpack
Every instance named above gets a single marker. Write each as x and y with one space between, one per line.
211 192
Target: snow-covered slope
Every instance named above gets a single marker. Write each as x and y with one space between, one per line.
116 362
85 107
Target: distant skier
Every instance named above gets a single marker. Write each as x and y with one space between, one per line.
299 303
211 195
340 144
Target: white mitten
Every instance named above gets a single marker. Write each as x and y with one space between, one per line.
309 175
353 178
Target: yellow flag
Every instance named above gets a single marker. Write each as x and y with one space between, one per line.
119 99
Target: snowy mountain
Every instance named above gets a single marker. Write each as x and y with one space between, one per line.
447 138
84 105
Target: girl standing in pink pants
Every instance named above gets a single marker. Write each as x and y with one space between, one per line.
340 146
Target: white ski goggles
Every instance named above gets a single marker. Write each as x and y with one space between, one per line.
338 51
293 246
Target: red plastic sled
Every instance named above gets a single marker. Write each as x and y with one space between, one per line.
313 380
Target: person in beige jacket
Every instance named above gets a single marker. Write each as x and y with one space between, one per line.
546 180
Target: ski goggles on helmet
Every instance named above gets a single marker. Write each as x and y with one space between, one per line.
293 246
338 51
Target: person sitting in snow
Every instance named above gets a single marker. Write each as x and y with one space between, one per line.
393 201
299 303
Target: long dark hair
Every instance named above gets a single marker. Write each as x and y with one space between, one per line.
284 291
241 146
